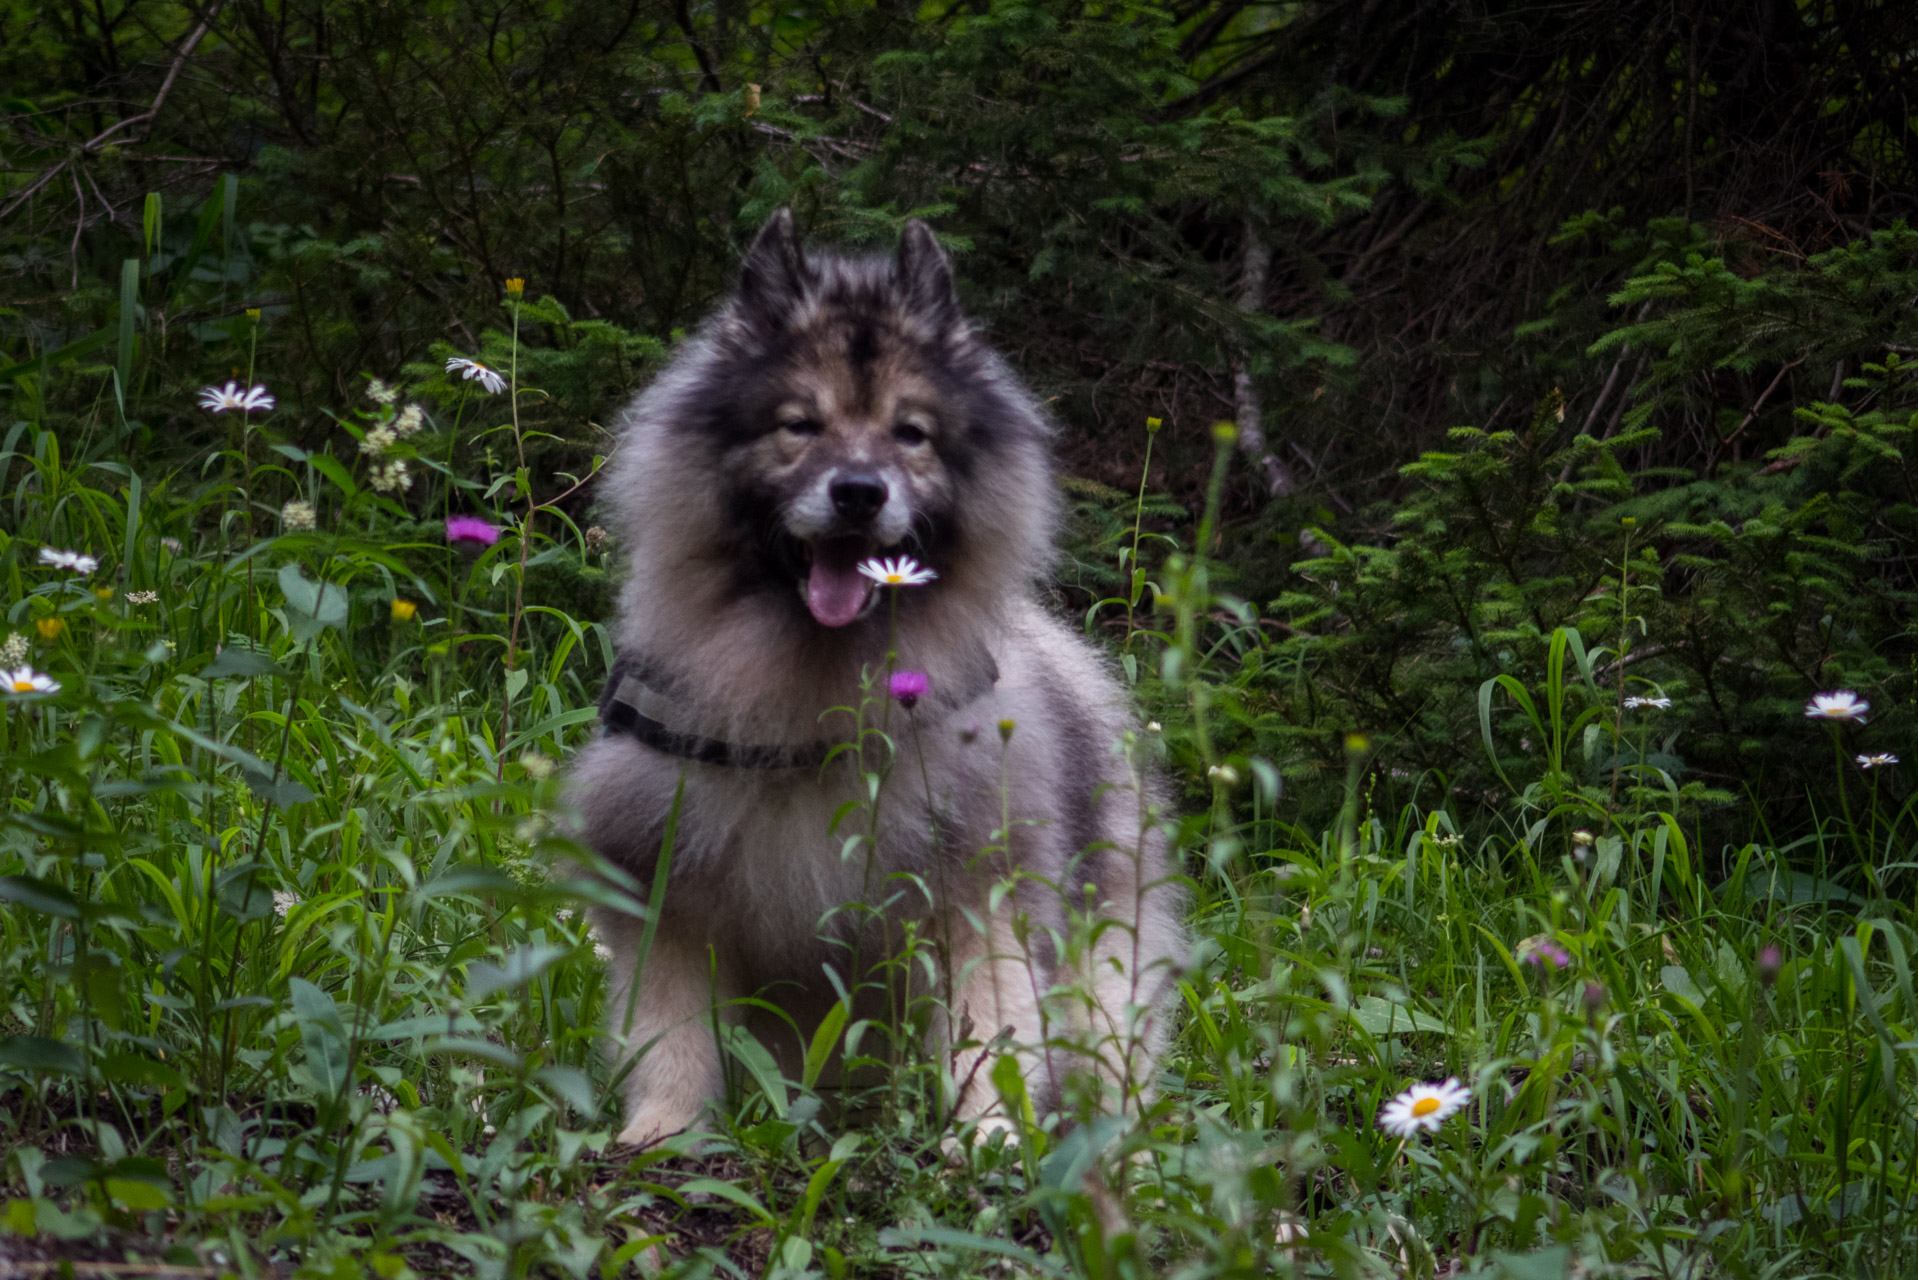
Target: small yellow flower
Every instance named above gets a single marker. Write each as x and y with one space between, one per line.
104 593
515 286
253 315
1628 521
403 610
50 628
1356 742
1152 426
1225 432
1005 730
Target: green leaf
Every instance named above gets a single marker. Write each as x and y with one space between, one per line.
150 221
72 351
284 793
1677 980
37 1053
237 661
129 307
325 603
946 1237
519 968
1381 1017
40 895
571 1086
726 1191
758 1060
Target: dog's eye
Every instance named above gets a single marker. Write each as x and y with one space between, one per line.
908 433
801 427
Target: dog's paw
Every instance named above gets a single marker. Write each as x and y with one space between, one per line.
651 1123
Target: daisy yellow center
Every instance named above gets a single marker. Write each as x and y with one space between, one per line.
895 578
1425 1106
23 686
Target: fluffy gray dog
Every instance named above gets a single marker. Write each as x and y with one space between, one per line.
839 408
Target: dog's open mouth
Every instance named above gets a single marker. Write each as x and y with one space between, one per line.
836 592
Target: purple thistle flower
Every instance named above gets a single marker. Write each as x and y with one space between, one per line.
907 687
470 534
1547 956
1770 962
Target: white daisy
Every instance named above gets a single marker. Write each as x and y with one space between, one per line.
1841 704
903 572
1661 704
27 680
1878 761
1423 1106
72 561
220 399
473 369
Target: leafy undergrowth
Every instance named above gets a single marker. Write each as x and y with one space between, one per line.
296 981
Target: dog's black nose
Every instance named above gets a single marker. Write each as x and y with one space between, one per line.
858 494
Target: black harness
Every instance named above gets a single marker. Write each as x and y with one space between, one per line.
638 702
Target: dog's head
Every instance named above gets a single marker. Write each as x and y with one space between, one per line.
845 410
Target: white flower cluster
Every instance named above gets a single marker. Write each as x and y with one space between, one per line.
299 517
391 475
14 652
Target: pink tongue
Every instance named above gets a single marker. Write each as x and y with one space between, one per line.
835 589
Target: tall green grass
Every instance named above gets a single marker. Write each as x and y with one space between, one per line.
296 981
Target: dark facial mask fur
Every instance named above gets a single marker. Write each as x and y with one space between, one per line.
852 415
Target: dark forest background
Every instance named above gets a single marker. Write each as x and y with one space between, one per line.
1531 315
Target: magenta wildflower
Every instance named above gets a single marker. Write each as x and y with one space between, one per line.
1770 962
1548 956
470 534
907 687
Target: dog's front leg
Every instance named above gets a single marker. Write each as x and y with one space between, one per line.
668 1021
998 985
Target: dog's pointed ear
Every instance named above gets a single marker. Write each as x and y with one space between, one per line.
925 280
774 276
